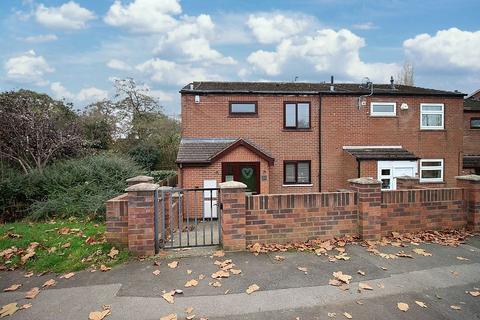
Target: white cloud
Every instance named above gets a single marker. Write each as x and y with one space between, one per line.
68 16
41 38
274 27
447 49
169 72
86 95
365 26
118 65
328 51
28 68
144 15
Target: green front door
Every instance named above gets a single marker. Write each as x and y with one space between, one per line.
245 172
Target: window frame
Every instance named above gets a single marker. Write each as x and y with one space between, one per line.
442 127
242 114
296 103
471 120
441 168
383 114
296 162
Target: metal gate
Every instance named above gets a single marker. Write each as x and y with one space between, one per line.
187 218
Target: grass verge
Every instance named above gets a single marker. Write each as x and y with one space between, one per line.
64 246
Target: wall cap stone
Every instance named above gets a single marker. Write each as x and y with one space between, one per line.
165 188
364 180
470 177
140 179
408 178
143 187
232 185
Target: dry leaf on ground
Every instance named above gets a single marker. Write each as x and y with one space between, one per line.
66 245
173 264
189 310
49 283
219 253
201 277
113 253
422 252
220 274
104 268
347 315
360 272
13 287
331 314
235 271
421 304
28 274
189 271
364 286
26 306
32 293
68 275
402 306
215 284
462 259
456 307
8 309
474 293
98 315
279 258
303 269
171 316
191 283
342 277
252 288
169 296
156 272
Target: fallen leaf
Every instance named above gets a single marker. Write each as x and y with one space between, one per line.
173 264
474 293
381 285
364 286
66 245
383 268
347 315
171 316
68 275
98 315
303 269
252 288
219 253
26 306
13 287
49 283
32 293
342 277
360 272
28 274
421 304
189 271
462 259
215 284
220 274
8 309
422 252
190 317
235 271
456 307
402 306
169 296
201 277
359 302
189 310
113 253
279 258
104 268
191 283
63 230
156 272
331 314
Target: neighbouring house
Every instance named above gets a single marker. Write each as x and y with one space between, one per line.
471 139
279 137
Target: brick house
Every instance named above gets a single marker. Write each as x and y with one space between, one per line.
308 137
471 139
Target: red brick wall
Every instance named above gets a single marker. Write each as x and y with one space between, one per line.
117 220
342 124
300 217
428 209
471 137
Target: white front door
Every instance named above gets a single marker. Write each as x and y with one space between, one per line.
210 199
388 171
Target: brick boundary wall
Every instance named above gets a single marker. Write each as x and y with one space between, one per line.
117 220
300 217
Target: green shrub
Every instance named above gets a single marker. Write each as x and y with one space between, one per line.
77 187
159 175
145 154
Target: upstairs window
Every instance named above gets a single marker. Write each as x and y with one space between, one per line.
297 115
296 172
431 116
383 109
475 123
243 108
431 170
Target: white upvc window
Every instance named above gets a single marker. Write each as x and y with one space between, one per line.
431 170
383 109
432 116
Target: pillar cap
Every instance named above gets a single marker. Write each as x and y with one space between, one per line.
407 178
364 180
470 177
140 179
232 185
143 187
165 188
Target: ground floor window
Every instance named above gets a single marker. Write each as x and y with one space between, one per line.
296 172
431 170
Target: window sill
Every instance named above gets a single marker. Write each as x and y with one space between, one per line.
383 116
297 185
297 130
424 129
242 116
432 182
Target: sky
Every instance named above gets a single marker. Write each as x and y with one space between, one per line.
74 50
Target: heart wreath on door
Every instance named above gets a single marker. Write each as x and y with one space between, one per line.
247 172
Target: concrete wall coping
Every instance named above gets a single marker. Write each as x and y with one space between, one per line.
165 188
364 180
143 187
232 185
408 178
470 177
140 179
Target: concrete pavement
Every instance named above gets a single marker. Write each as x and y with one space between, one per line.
285 292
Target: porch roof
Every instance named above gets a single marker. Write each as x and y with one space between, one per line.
207 150
380 153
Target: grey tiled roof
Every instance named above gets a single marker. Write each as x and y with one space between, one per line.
309 88
471 104
382 154
203 150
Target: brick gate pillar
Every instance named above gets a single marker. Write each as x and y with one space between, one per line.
369 195
471 184
141 218
233 219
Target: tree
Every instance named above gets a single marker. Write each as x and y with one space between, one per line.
35 129
99 125
405 76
